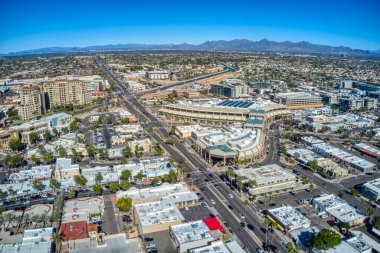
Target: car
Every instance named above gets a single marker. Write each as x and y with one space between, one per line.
150 245
154 250
27 202
230 207
231 196
148 239
242 216
250 227
216 185
212 201
324 216
242 224
260 250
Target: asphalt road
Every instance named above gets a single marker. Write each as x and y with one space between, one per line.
194 162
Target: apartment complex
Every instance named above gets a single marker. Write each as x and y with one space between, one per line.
231 88
32 102
65 92
299 100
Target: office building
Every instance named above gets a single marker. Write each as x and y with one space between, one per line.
270 179
65 92
299 100
158 75
339 209
32 102
231 88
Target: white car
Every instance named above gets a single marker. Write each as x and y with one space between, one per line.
212 201
231 196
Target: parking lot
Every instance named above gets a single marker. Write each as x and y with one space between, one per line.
197 212
163 242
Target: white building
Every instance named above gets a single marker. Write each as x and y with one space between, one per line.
190 235
289 218
339 209
371 189
157 75
270 179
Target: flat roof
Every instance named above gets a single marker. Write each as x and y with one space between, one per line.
79 209
191 231
373 185
290 217
214 247
158 212
267 174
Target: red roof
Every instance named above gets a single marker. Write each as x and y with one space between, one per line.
214 224
92 228
74 230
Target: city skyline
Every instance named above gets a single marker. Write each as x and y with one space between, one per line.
70 24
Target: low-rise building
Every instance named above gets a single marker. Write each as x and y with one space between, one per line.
289 218
299 100
371 189
64 169
184 132
270 179
367 149
41 172
5 137
339 209
219 247
157 216
190 235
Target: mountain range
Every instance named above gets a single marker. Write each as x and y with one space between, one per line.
263 45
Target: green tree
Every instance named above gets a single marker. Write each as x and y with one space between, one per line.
326 239
91 152
125 185
97 189
48 158
376 222
114 187
34 138
313 165
65 130
124 204
239 184
139 176
370 212
125 175
98 178
55 184
124 160
154 181
354 192
47 136
103 154
76 156
34 159
62 152
71 194
15 144
14 161
230 174
245 203
252 183
37 185
74 126
80 180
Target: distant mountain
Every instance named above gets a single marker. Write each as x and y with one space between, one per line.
264 45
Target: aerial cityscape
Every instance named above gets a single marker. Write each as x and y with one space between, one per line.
196 127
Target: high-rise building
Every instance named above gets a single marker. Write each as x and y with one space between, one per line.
65 92
32 102
231 88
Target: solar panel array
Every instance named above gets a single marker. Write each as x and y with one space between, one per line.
236 104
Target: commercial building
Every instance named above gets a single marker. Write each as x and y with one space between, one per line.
231 88
158 75
156 216
190 235
230 144
219 247
184 132
289 218
24 130
270 179
64 169
343 156
178 193
65 92
32 102
299 100
41 172
339 209
217 112
367 149
371 189
134 86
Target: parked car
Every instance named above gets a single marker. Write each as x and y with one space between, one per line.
150 245
148 239
212 201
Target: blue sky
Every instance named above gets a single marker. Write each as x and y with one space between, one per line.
29 24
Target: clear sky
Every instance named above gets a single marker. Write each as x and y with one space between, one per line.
30 24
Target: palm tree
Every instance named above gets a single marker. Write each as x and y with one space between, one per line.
267 223
245 203
239 184
272 200
230 173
